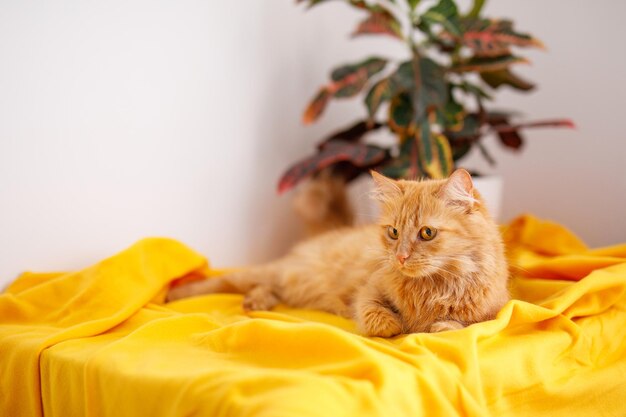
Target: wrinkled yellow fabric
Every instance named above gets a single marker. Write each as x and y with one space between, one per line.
99 343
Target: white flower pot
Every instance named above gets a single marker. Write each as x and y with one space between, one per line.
367 210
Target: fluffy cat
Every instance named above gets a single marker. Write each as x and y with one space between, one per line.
434 262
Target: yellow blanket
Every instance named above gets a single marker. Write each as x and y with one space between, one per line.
99 342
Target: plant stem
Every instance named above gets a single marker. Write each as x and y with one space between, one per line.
476 8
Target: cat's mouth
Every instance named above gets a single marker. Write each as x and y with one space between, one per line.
416 268
411 272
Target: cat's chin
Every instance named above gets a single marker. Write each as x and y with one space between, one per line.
411 274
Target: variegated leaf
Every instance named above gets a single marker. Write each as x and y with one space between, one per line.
481 64
452 115
401 113
489 38
379 23
435 156
505 77
444 154
380 92
346 81
357 154
446 14
316 106
473 89
405 165
463 139
352 134
431 91
371 66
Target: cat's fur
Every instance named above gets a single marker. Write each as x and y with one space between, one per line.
390 286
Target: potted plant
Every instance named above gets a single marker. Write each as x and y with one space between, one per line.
437 99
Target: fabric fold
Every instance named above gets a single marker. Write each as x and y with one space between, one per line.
77 305
102 345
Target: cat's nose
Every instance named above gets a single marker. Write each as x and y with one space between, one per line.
401 257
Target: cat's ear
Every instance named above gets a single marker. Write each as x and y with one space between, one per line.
459 189
385 188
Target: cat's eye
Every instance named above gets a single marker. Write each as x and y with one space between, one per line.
428 233
392 232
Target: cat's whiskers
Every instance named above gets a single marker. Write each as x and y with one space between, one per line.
440 269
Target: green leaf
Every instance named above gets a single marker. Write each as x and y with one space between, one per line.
462 140
451 117
406 164
425 141
413 3
426 91
445 13
481 64
380 23
459 150
404 77
400 113
505 77
435 156
474 90
398 168
444 154
380 92
433 92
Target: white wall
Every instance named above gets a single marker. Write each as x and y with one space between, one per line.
124 119
575 177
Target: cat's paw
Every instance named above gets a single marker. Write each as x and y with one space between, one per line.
445 325
381 322
259 298
185 290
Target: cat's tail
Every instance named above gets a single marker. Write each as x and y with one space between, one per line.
322 203
240 282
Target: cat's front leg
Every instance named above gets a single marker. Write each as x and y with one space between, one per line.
374 317
259 298
445 325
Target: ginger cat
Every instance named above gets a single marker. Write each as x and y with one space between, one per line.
434 262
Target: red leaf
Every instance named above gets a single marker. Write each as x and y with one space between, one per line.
482 64
317 106
379 23
357 154
352 134
543 123
509 134
490 38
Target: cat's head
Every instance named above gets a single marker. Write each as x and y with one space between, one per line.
434 226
